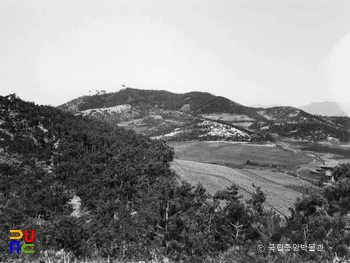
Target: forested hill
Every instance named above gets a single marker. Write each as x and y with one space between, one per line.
47 156
197 102
52 137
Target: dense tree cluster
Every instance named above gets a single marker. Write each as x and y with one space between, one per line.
133 207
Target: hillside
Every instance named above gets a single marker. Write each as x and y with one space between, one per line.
344 122
288 115
194 102
162 114
48 156
147 120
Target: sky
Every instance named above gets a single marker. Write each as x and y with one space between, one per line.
284 52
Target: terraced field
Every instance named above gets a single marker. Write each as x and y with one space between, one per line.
279 196
280 178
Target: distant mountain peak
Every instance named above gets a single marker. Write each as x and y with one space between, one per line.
326 108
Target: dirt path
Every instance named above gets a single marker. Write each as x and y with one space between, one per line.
317 160
310 166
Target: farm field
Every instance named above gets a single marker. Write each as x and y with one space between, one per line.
306 174
321 152
215 177
280 178
286 180
237 153
326 150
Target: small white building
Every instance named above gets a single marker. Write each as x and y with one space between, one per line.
328 168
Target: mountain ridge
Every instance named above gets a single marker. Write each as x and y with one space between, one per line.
160 112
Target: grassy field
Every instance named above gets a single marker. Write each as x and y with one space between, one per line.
286 180
337 150
279 195
305 174
280 178
237 153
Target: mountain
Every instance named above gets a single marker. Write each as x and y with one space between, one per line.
203 116
195 102
183 116
326 108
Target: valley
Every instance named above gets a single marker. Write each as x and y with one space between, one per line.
237 154
281 169
218 142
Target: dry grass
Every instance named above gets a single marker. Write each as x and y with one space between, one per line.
306 174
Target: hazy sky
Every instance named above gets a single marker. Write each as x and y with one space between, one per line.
287 52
